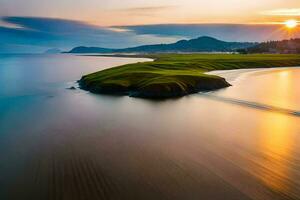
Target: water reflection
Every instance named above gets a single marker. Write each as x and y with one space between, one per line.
238 143
277 138
282 88
276 144
278 88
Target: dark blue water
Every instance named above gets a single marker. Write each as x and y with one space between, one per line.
238 143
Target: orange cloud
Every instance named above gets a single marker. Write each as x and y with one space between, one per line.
283 12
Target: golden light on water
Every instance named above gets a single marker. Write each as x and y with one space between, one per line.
291 23
277 139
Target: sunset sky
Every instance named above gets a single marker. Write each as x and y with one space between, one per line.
128 19
128 12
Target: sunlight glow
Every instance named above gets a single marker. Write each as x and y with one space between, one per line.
291 23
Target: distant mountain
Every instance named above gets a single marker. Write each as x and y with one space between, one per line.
201 44
83 49
284 46
53 51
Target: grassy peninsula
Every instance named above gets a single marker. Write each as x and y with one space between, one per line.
175 75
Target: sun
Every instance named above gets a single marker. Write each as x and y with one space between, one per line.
291 23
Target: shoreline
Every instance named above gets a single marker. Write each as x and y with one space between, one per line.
230 75
177 75
235 75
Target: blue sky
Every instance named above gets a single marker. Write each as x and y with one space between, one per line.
24 34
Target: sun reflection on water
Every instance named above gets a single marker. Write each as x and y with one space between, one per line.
275 143
276 139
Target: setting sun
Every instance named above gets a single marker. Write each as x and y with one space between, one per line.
291 23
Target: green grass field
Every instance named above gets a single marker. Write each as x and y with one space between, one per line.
171 75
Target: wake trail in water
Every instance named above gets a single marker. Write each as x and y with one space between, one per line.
251 104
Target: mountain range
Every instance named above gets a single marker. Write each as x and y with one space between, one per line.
200 44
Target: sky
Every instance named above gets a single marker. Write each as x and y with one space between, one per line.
37 25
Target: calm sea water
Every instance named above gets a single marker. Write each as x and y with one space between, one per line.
238 143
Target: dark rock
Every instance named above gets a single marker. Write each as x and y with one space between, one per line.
72 88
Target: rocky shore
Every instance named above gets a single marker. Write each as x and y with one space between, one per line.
157 90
